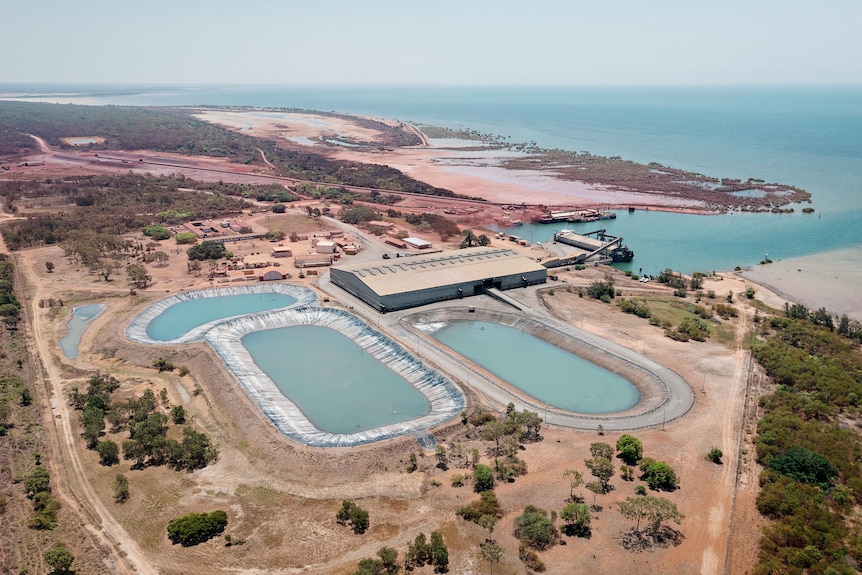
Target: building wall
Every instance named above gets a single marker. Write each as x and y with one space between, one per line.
354 285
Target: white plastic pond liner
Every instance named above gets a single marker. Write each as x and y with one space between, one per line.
445 398
225 336
137 328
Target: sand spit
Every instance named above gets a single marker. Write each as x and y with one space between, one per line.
829 280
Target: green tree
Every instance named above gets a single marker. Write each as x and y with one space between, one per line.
418 553
49 266
109 452
483 478
602 469
492 553
715 455
494 431
59 559
654 510
439 553
279 208
805 467
194 528
601 449
630 448
207 250
534 529
138 276
178 414
351 513
389 560
658 475
577 519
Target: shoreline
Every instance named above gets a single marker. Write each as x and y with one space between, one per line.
829 280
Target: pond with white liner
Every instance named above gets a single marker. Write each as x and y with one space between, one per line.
322 376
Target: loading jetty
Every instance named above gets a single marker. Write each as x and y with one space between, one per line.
593 247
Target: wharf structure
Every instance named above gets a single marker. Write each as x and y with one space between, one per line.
576 216
604 247
389 285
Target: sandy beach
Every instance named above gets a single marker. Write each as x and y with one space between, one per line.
829 280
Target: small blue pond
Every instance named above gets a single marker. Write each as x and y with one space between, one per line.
336 384
540 369
81 316
182 317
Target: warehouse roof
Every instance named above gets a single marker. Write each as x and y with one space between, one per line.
386 277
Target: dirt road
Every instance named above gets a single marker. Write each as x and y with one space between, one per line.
72 483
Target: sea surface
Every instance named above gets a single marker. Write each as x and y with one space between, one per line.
810 137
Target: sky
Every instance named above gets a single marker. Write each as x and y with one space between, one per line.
439 42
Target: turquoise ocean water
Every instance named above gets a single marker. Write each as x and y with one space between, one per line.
810 137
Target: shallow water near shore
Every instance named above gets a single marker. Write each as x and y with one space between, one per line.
810 137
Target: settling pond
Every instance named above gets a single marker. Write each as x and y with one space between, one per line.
322 376
81 316
538 368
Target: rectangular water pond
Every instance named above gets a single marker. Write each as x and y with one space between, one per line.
540 369
338 386
184 316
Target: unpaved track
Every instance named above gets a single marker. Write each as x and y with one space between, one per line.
71 481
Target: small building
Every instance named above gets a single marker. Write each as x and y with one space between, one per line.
396 242
325 247
281 252
417 243
380 224
313 260
270 275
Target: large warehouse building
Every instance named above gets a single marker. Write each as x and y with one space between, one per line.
389 285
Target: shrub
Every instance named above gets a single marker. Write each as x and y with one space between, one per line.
715 456
481 418
658 475
59 559
599 290
487 504
194 528
534 529
157 232
353 514
531 559
185 238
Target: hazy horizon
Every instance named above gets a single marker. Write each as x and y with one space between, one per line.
447 43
